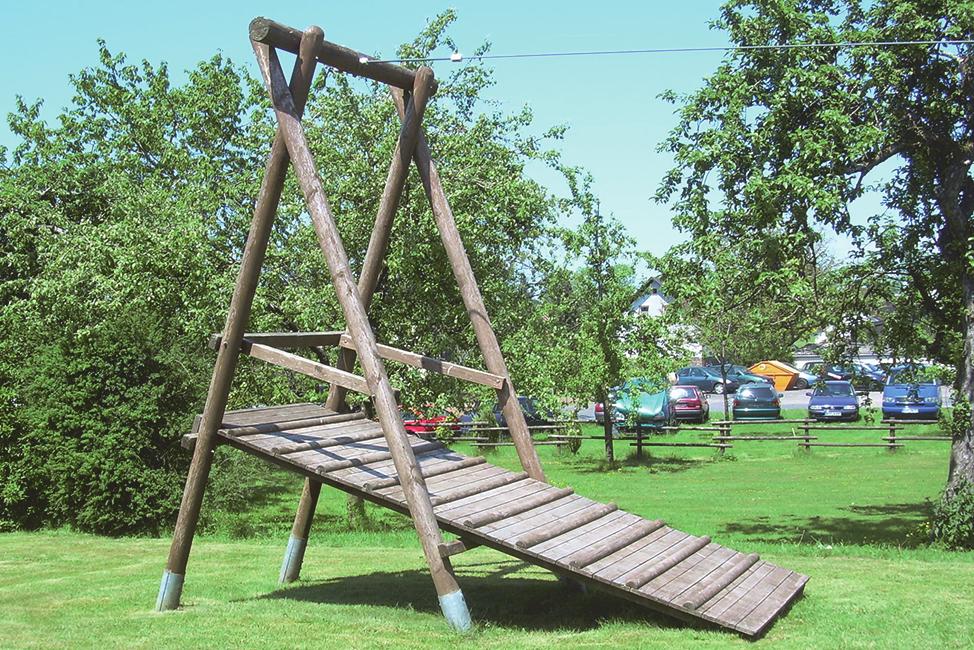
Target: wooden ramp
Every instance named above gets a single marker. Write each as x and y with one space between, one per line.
644 561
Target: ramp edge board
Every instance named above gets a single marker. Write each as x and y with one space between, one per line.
738 592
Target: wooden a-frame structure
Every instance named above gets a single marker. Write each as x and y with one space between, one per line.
411 91
518 513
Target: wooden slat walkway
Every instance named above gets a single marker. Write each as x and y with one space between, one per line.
643 561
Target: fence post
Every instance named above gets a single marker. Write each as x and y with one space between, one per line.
639 441
892 436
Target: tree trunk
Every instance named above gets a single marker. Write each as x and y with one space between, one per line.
355 510
607 426
962 448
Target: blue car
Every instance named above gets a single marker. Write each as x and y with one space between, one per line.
833 400
910 393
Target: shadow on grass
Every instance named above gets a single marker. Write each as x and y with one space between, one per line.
890 525
495 592
654 463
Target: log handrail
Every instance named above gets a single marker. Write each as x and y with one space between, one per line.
296 340
433 364
305 366
286 340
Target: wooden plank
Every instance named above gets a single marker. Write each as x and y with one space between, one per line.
293 425
272 414
387 469
286 340
616 542
752 579
433 364
674 556
343 439
365 459
427 472
478 487
268 442
647 551
509 529
613 523
768 609
304 366
542 548
578 519
444 483
717 583
483 500
754 597
895 438
544 497
687 573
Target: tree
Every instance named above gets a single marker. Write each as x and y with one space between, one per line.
786 139
582 338
122 230
739 308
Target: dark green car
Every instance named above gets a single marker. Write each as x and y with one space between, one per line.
641 403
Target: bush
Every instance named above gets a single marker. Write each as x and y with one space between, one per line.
953 519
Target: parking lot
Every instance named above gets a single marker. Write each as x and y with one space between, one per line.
793 399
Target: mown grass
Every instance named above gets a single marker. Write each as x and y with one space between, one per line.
849 518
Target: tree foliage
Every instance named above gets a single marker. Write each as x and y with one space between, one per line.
123 226
779 142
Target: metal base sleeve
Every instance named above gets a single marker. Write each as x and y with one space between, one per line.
455 610
169 591
293 557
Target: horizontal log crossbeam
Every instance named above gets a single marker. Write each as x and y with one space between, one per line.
268 32
297 340
305 366
433 364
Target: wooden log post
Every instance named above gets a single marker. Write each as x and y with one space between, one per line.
374 256
298 542
414 487
236 324
639 441
806 429
473 301
892 437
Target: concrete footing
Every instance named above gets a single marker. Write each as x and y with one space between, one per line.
455 610
293 557
170 590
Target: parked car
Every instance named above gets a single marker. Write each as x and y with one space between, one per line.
741 375
534 414
911 393
422 424
706 380
689 403
641 403
868 376
805 379
833 400
757 403
820 371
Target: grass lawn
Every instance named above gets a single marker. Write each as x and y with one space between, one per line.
848 518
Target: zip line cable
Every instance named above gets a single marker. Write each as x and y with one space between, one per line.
458 57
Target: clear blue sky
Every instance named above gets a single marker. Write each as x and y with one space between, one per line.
609 103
